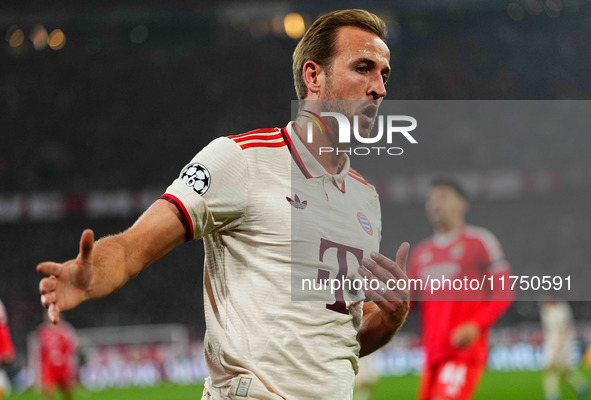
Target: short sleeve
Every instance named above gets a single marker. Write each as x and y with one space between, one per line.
210 192
494 256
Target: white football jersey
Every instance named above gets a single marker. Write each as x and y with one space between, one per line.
272 217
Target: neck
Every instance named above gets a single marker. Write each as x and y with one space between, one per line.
443 228
331 161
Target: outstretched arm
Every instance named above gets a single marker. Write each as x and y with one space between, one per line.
383 316
106 265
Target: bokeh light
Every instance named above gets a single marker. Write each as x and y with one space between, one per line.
15 36
56 39
294 25
38 37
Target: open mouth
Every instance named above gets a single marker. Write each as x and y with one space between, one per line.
370 111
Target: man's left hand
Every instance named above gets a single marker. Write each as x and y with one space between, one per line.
393 304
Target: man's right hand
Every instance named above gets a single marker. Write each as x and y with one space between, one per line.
116 259
68 282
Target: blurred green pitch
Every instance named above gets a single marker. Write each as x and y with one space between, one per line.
523 385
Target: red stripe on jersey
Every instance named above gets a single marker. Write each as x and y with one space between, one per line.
257 137
262 144
185 218
294 154
362 181
264 130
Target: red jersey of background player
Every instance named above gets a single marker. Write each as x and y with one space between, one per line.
7 352
58 345
471 252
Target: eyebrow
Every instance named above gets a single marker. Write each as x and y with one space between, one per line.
372 64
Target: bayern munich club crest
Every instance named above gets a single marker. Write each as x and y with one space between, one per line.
196 176
365 224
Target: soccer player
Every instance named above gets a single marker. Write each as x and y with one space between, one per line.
7 352
454 324
58 355
559 341
241 194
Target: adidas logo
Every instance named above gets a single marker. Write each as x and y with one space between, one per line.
300 205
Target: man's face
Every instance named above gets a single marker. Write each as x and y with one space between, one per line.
359 71
445 207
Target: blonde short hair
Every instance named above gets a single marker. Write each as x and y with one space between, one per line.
318 43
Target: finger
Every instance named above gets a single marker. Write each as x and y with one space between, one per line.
375 296
389 295
54 313
370 277
389 265
48 299
367 289
49 268
86 245
377 270
402 256
387 306
47 285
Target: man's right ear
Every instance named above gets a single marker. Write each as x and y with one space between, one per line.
314 78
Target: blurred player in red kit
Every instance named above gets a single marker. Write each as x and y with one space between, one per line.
58 347
455 323
7 352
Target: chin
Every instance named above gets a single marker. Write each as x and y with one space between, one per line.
365 129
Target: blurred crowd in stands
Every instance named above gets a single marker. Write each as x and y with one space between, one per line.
104 112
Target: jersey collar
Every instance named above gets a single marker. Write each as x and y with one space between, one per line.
306 161
445 239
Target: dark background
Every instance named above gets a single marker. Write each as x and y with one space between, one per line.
105 114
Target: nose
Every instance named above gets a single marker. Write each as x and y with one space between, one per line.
377 88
